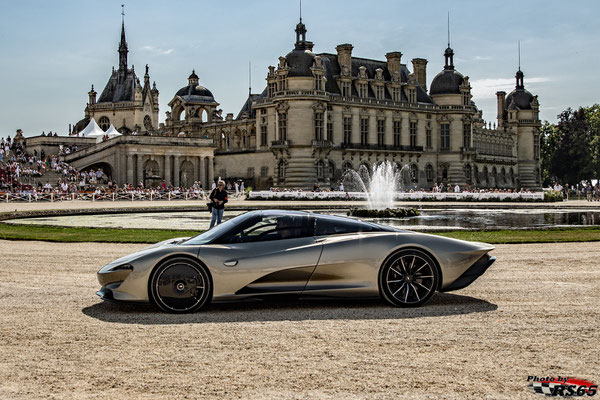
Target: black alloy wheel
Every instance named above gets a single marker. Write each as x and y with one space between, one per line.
180 285
409 278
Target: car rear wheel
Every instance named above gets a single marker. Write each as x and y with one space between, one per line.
180 285
408 278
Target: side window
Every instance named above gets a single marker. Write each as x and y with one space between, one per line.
333 226
276 227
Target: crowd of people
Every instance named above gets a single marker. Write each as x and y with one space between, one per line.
24 173
586 189
437 188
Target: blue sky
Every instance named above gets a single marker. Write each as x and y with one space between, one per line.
52 51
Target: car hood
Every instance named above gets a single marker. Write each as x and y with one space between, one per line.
145 251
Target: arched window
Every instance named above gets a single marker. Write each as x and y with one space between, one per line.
331 171
414 173
445 173
476 173
486 177
320 169
503 175
429 173
104 123
281 171
148 123
467 169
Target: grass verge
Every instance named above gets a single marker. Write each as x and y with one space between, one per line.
112 235
553 235
74 234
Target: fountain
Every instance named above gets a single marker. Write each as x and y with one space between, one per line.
380 189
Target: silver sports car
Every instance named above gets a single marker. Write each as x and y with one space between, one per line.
262 253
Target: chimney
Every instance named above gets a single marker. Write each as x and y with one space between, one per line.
393 62
501 105
420 71
344 52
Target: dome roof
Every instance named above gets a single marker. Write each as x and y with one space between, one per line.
193 75
196 93
446 82
299 61
519 99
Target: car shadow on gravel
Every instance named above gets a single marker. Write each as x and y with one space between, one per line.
442 304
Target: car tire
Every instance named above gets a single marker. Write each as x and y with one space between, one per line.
408 278
180 285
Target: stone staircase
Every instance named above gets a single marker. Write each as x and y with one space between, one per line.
300 170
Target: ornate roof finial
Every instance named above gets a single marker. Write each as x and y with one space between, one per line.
123 44
449 53
448 28
519 55
519 76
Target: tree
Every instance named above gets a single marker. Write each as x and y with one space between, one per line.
572 159
548 145
592 115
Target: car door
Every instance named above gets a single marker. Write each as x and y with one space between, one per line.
276 254
345 267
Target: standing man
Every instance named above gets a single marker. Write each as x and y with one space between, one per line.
218 197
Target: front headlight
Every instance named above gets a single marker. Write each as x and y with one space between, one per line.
122 267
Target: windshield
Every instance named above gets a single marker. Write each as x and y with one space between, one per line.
221 229
333 225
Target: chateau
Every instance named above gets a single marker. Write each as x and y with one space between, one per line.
319 115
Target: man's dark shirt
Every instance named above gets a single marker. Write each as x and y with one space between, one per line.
220 195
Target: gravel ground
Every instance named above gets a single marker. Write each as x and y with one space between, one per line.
534 312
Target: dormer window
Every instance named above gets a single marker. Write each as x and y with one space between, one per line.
362 90
379 92
466 99
346 89
272 88
412 95
318 82
396 93
281 83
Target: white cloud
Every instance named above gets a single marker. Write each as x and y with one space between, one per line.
157 50
487 88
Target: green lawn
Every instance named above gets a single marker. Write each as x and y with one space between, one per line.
554 235
67 234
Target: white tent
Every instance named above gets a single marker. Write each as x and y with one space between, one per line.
92 130
111 132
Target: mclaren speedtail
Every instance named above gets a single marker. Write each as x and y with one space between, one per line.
265 253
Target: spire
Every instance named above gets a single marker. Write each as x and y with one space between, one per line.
449 53
301 42
249 78
123 44
519 76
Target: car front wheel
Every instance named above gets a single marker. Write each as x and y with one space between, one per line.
180 285
408 278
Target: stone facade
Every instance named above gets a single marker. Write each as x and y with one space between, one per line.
321 115
124 102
